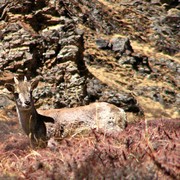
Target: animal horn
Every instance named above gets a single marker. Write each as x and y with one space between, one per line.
25 78
16 80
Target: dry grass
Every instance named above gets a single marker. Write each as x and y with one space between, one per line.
147 50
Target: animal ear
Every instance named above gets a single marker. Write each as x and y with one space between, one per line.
16 80
45 118
34 84
10 87
25 79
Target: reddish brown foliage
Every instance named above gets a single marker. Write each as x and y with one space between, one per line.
143 151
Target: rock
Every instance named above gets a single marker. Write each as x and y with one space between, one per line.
68 53
167 2
45 40
127 60
156 2
49 53
121 45
173 12
16 44
102 43
178 99
138 63
100 91
6 77
50 39
5 101
94 89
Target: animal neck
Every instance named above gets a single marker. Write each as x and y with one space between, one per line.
27 118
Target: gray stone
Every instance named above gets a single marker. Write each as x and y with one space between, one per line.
68 53
102 43
5 101
120 44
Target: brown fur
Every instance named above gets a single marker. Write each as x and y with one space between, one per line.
32 123
96 115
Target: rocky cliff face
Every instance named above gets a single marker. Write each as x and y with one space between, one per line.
122 52
126 52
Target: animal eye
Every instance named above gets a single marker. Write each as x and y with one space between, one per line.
16 95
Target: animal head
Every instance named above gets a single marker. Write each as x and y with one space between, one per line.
22 91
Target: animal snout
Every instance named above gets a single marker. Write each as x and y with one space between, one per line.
27 103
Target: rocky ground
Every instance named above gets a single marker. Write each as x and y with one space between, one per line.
123 52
